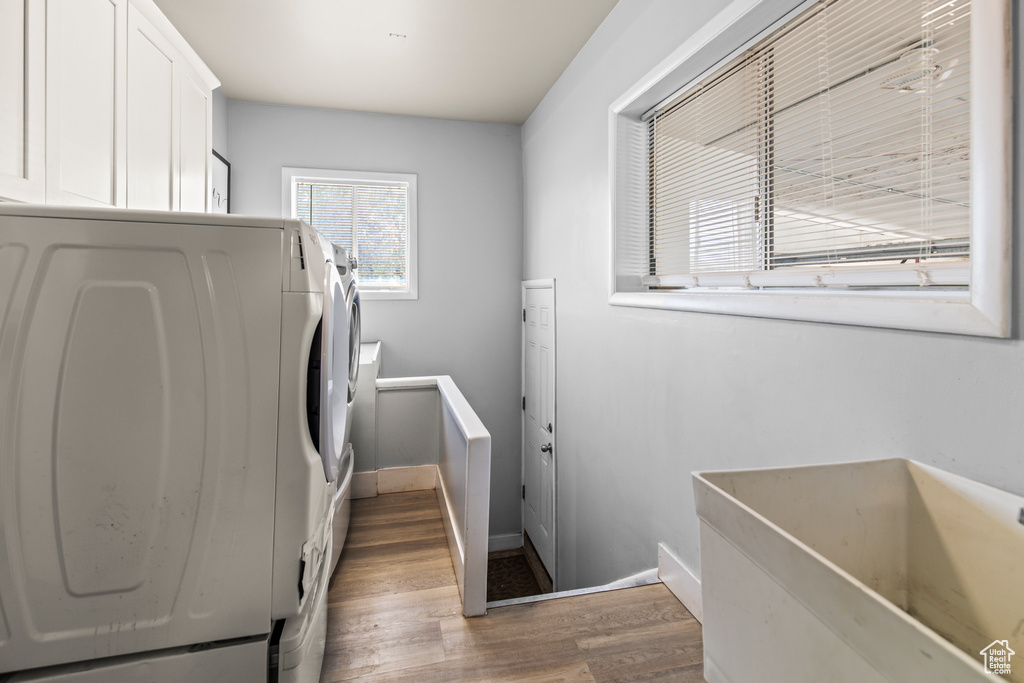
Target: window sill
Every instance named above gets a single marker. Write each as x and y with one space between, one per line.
946 311
380 295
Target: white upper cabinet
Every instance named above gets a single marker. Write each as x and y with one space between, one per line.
152 158
85 88
195 142
170 112
22 99
109 99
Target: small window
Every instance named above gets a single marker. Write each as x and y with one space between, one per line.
373 215
850 165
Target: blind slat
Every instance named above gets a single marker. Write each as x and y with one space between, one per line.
840 141
371 221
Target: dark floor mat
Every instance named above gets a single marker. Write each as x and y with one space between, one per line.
510 577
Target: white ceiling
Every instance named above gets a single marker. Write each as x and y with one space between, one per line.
472 60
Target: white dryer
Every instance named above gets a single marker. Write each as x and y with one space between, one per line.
327 405
344 371
165 508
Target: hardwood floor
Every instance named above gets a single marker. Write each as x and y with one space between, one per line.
395 615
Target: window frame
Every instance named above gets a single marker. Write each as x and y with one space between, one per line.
983 309
290 176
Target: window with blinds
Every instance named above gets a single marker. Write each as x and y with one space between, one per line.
834 151
841 161
371 215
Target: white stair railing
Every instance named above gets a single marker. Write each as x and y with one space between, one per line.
463 483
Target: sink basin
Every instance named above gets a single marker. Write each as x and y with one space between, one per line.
884 570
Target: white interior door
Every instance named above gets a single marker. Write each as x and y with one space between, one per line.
539 418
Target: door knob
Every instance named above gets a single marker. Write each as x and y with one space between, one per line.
546 448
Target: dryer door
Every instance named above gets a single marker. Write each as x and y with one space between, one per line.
334 374
354 339
354 334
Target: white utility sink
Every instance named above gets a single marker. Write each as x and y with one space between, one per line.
885 570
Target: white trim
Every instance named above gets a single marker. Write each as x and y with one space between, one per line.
398 479
991 160
399 383
467 419
985 310
683 583
155 16
364 485
948 314
504 542
393 480
469 422
455 541
470 569
644 578
690 61
946 274
408 180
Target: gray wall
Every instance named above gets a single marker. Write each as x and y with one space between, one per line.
469 180
409 422
645 396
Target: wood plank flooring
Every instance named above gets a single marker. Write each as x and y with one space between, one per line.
395 615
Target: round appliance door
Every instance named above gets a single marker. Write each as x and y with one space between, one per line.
354 339
334 379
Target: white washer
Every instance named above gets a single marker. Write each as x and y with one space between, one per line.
164 511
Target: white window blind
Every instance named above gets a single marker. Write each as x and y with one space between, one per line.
836 151
370 214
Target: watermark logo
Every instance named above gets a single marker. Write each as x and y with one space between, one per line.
997 657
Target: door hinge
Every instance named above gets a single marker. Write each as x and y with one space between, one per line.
524 491
524 403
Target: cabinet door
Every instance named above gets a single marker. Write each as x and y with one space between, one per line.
195 142
85 74
152 113
22 100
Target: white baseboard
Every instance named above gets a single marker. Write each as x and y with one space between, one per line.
398 479
683 583
504 542
394 480
643 578
364 485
